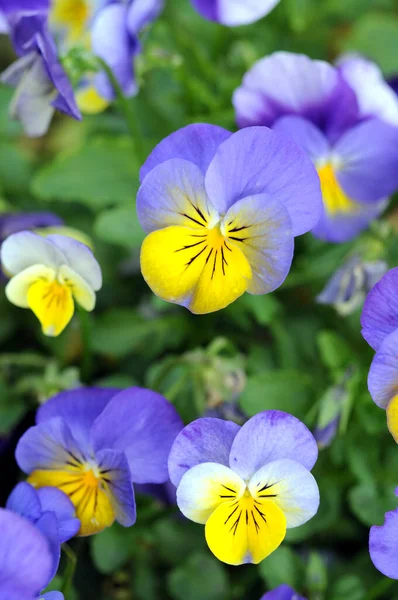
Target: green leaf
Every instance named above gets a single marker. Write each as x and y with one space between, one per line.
370 504
348 586
335 352
200 577
284 389
317 575
15 169
282 566
299 13
103 172
110 549
120 226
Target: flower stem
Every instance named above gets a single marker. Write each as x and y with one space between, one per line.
87 355
69 570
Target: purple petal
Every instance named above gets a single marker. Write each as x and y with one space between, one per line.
306 135
14 222
197 143
234 12
341 227
25 558
174 194
13 6
264 226
46 446
111 42
78 409
53 499
203 440
380 312
383 545
143 425
293 84
52 596
80 258
48 525
282 592
25 501
269 436
118 479
368 171
257 160
141 13
383 373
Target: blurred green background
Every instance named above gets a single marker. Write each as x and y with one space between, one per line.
278 351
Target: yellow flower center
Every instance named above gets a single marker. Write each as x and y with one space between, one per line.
72 15
334 198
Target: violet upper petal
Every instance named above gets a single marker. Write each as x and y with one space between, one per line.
383 545
380 312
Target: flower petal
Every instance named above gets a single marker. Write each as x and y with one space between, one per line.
368 171
204 487
49 445
383 545
392 417
261 229
383 372
81 291
25 557
195 143
291 486
53 305
117 484
80 258
48 525
53 499
248 535
52 596
18 287
25 249
234 12
269 436
78 409
25 501
141 13
205 440
306 135
380 312
256 161
282 592
143 425
174 194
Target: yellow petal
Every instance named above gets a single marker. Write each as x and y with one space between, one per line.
18 287
196 268
53 305
92 503
90 102
72 15
81 291
392 417
245 530
334 198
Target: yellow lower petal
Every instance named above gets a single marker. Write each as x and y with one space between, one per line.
72 15
334 198
90 102
52 304
392 417
92 503
194 267
245 530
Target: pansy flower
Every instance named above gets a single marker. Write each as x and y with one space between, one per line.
221 211
42 85
311 102
51 511
282 592
383 544
92 443
234 12
48 275
26 562
246 484
380 312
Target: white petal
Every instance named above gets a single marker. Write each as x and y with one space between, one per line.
82 292
288 484
80 258
25 249
204 487
17 288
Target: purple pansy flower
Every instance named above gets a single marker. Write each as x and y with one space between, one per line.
51 511
41 82
26 562
380 312
383 544
282 592
246 484
221 211
234 12
311 102
93 443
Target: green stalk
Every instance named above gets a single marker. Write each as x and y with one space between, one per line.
69 571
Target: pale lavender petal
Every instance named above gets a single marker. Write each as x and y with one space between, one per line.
52 596
25 501
234 12
197 143
282 592
306 135
25 249
368 161
48 525
78 409
143 425
383 545
257 160
141 13
53 499
118 479
380 312
383 372
269 436
80 258
203 440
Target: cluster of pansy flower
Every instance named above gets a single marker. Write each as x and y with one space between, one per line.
380 329
332 113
